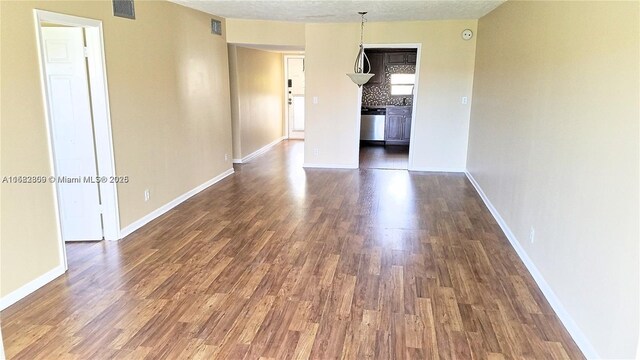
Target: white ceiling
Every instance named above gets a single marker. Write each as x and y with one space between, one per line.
345 10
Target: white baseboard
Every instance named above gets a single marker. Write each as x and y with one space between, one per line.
347 166
329 166
2 355
30 287
171 204
260 151
437 169
576 333
50 275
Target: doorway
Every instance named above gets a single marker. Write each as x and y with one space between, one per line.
387 105
294 75
74 86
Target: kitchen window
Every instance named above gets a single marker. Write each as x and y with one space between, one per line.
402 84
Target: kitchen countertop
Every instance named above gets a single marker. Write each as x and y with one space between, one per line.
384 106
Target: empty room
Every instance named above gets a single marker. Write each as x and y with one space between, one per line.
319 179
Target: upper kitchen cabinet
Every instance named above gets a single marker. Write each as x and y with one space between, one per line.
401 58
377 67
411 58
396 58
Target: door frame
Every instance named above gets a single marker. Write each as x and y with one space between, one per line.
418 47
286 92
96 71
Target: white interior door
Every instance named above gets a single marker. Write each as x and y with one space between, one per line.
72 133
295 94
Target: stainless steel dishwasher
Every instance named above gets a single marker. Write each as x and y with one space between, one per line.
372 123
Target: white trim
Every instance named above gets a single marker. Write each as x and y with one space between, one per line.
291 134
64 19
418 47
102 125
330 166
33 285
102 119
576 333
62 254
171 204
438 169
285 98
260 151
2 355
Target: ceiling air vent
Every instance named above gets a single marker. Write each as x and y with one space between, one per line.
124 8
216 27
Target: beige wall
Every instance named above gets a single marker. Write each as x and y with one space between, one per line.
279 35
169 91
445 75
257 93
235 102
330 125
554 144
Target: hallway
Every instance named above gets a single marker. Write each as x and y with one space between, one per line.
282 262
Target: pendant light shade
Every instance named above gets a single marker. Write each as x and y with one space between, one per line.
359 77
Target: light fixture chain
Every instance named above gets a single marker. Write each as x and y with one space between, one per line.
362 31
360 77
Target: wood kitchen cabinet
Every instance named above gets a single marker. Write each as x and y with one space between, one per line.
401 58
394 127
396 58
411 58
398 125
377 67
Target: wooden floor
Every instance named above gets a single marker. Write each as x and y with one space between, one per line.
284 263
384 157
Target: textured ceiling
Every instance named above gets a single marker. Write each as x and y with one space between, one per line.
345 11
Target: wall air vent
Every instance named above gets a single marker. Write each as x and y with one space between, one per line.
124 8
216 27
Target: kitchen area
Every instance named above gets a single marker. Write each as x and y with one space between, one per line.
386 113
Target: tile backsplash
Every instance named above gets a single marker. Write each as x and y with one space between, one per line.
381 94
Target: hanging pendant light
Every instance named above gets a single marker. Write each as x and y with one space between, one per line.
359 77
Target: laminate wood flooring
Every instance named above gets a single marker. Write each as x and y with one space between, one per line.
384 157
278 262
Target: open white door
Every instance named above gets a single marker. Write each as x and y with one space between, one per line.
295 94
72 133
